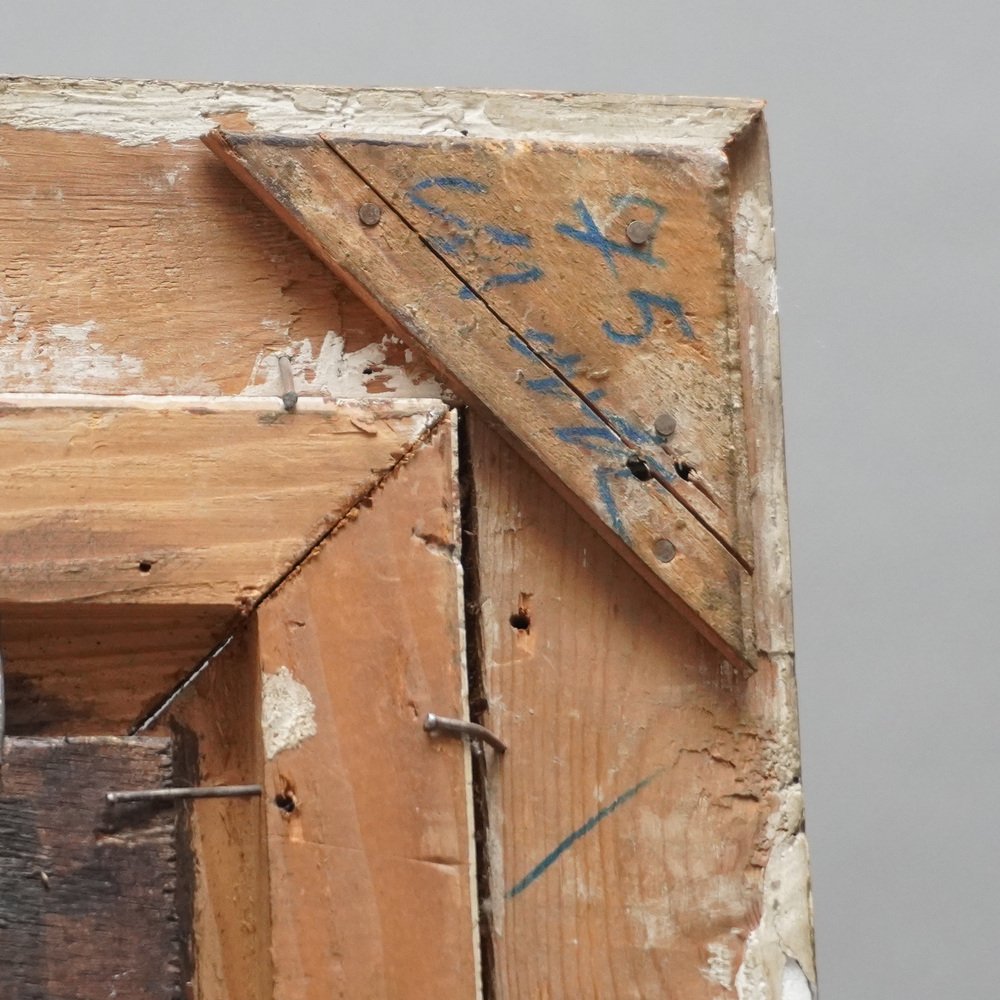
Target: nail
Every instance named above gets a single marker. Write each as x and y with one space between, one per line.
370 213
638 233
289 397
170 794
458 727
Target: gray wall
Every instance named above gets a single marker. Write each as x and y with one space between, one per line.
885 167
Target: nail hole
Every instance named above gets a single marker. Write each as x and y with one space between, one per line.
145 567
638 468
285 802
684 470
520 620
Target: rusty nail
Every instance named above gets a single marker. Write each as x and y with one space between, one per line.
458 727
664 549
289 397
370 213
665 424
639 233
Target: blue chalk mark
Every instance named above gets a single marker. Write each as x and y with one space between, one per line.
449 245
603 476
563 846
525 275
591 235
507 237
540 336
463 184
550 386
646 302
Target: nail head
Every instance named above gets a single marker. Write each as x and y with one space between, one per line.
664 549
370 213
639 233
665 424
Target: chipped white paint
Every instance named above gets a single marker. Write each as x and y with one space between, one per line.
719 967
337 372
61 357
778 959
288 715
134 112
754 231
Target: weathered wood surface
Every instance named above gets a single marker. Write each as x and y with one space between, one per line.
91 669
181 501
369 817
216 721
91 900
503 374
640 328
627 823
147 268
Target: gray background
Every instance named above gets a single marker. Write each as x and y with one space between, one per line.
885 168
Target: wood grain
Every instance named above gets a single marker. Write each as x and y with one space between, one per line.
541 234
318 194
216 723
147 268
627 819
89 893
180 501
92 669
368 816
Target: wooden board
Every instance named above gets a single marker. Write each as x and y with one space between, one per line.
216 722
180 501
501 372
91 900
368 817
540 233
628 819
147 268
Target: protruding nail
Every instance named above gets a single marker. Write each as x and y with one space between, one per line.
170 794
458 727
289 397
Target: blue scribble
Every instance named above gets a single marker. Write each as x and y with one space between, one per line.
564 845
646 302
506 237
449 245
524 275
591 235
415 197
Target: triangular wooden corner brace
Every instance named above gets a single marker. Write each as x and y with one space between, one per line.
582 299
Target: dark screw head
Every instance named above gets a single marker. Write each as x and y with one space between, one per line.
370 213
664 549
639 233
665 424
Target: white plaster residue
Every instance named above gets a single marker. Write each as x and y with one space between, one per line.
656 920
778 959
336 372
134 112
64 357
288 716
754 233
719 968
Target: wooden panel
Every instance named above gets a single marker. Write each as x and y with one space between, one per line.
216 721
368 816
90 905
627 819
190 501
147 268
541 234
79 669
319 195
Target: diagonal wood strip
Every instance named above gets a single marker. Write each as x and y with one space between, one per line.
493 367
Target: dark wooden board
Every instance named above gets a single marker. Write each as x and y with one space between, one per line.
91 902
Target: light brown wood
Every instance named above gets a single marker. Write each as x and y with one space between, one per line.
542 235
147 268
368 816
627 822
216 724
181 501
319 195
91 669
